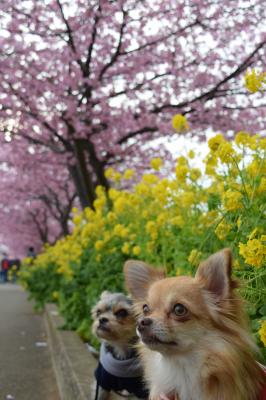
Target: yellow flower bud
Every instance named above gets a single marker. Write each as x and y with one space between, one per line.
179 123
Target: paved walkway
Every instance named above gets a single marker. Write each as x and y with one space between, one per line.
26 371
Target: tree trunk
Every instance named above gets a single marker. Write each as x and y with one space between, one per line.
96 164
64 227
82 177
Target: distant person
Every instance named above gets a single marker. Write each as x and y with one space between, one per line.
1 273
4 268
31 252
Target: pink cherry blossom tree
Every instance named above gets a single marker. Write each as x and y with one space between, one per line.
93 81
36 198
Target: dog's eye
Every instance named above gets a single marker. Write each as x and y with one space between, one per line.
98 313
180 310
145 309
121 313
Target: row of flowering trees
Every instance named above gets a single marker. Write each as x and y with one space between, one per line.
174 220
37 196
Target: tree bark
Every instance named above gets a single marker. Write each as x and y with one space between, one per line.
81 176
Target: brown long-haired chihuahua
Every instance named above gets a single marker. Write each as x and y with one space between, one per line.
195 343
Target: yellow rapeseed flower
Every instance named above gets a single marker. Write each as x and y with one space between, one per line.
156 163
222 230
150 179
181 172
144 213
99 203
109 173
254 80
89 214
75 210
182 160
191 154
187 199
150 226
126 248
77 220
253 252
208 218
136 250
114 193
195 174
262 186
160 192
262 143
151 229
119 230
99 244
150 247
194 257
232 200
178 221
242 138
262 332
161 219
117 176
179 123
253 168
107 236
215 142
254 142
225 152
120 204
55 295
142 189
211 164
100 191
66 271
254 233
128 174
111 216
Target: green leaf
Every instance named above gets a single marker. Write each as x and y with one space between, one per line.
262 310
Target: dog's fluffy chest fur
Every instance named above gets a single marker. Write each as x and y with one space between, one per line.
173 374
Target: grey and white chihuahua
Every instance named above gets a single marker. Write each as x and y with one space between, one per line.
119 368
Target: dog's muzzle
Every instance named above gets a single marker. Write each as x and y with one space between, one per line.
145 330
144 324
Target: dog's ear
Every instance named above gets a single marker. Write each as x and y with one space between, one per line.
215 274
104 294
139 276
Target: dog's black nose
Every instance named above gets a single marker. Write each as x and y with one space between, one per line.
143 323
103 320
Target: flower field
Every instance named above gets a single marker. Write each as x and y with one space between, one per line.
174 221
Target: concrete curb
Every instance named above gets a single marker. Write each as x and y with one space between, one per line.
74 365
